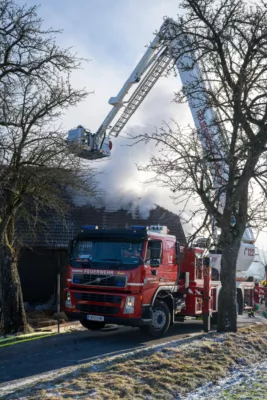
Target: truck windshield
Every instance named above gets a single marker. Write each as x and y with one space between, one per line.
113 255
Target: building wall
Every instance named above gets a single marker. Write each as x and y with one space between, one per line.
38 273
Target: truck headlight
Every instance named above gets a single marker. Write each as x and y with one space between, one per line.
129 305
68 300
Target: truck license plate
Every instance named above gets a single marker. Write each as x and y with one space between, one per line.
95 318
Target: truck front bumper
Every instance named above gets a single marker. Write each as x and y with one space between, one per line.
112 320
109 319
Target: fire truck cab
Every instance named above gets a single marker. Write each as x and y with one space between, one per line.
137 277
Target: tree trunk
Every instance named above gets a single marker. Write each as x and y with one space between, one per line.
13 316
227 315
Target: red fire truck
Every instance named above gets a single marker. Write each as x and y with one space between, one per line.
137 277
142 277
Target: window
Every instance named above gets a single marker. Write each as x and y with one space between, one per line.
108 252
153 254
84 250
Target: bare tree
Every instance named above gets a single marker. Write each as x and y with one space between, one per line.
35 90
229 39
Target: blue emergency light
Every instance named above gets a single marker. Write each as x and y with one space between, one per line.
141 227
85 227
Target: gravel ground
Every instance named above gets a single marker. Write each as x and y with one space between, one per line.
247 383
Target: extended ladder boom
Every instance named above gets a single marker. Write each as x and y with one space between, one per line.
140 94
149 69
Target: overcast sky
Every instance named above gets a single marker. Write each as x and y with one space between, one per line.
113 35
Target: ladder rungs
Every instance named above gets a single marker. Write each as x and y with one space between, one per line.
137 97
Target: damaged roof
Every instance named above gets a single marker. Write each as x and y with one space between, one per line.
57 232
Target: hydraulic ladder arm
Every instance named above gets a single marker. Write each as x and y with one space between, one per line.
150 68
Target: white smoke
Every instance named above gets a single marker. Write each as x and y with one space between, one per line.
124 186
120 178
128 201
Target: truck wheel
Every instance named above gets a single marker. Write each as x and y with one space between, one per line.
161 319
92 325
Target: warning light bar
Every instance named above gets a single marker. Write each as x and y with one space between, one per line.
152 228
86 227
159 229
140 227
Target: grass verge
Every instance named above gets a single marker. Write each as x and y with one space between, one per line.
165 374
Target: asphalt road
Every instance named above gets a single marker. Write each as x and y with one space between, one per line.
24 360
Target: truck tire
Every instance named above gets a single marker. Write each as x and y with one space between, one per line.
161 319
92 325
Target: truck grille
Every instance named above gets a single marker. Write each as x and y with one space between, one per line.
97 297
88 308
99 280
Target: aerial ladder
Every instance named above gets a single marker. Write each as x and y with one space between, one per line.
161 54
